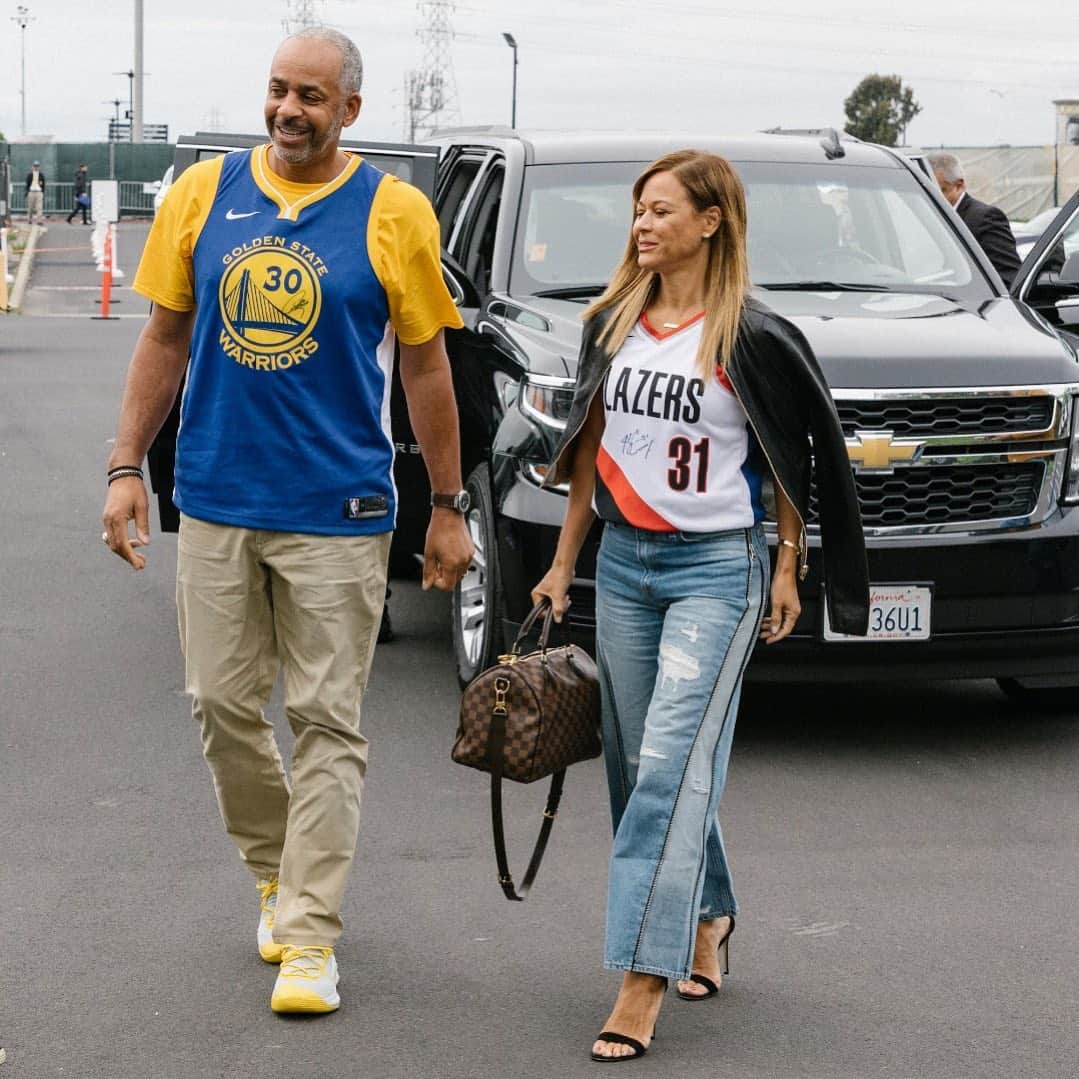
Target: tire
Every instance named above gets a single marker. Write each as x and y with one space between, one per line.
1057 699
477 600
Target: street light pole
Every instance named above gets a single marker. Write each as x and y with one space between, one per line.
511 42
23 18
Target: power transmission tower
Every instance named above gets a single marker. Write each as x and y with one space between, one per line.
431 91
301 13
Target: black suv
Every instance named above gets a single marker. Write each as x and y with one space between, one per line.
956 397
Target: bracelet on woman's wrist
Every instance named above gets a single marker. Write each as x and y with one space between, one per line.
795 547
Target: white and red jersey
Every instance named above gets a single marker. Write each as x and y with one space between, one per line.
677 452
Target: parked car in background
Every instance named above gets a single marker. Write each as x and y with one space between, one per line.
958 400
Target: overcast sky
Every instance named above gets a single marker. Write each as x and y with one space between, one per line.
985 72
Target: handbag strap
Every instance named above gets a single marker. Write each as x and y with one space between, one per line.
496 741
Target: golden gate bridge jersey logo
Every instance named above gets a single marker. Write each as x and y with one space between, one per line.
269 298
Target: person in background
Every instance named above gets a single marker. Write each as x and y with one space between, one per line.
286 272
691 396
35 195
988 223
81 191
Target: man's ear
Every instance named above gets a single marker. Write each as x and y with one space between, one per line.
352 109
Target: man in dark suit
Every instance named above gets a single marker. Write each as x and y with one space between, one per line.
988 223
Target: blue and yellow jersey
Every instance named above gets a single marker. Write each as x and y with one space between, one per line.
300 292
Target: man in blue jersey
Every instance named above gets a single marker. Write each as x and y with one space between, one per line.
288 273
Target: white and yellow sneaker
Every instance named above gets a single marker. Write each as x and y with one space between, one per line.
307 981
269 949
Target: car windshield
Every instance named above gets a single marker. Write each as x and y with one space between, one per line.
810 226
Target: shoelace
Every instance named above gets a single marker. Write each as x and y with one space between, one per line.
304 962
268 891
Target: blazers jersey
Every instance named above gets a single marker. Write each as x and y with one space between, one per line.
300 291
677 452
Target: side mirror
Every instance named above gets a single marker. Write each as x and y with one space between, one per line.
461 288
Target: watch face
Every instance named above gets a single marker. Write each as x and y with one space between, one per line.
462 502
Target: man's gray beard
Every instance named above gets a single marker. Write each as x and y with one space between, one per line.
302 155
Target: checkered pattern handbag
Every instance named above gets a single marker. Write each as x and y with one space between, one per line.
528 717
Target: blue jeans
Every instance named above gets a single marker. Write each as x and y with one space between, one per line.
677 615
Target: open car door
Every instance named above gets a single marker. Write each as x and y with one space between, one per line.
1048 279
418 165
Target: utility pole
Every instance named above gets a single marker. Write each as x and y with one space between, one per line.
431 91
22 18
136 101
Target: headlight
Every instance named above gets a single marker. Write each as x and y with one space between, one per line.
1071 480
547 399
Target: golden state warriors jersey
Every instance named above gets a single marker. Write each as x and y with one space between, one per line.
677 452
300 292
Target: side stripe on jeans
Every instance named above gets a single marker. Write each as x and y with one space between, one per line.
754 563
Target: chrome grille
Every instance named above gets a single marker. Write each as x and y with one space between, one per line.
945 494
943 416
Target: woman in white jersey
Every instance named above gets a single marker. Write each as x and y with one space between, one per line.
691 398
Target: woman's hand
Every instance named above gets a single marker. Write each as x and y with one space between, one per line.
555 587
786 607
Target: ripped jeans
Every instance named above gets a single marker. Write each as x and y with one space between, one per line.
677 615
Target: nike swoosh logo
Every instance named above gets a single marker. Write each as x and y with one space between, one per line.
232 215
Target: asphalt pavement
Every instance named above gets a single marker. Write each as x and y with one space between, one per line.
905 855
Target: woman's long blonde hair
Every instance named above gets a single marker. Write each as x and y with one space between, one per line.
710 181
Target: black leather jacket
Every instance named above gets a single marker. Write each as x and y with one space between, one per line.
779 384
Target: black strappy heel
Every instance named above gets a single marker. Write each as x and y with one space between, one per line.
724 948
639 1049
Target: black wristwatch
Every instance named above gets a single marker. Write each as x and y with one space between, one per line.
459 502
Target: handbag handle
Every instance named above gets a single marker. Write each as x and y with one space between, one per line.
542 608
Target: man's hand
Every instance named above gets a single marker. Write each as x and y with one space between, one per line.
448 551
127 501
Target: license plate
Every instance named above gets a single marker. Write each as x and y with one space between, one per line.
897 612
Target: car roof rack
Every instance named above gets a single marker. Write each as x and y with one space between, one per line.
831 141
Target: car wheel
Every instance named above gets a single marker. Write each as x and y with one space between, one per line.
1053 699
477 599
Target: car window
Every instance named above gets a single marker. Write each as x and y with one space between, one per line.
478 243
452 192
858 225
574 224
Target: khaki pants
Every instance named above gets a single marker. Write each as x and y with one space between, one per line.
250 602
35 207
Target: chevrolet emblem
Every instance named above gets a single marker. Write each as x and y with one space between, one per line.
880 451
